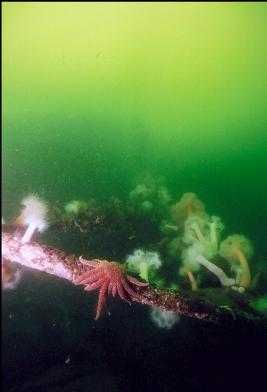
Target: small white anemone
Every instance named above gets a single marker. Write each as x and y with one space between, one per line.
73 207
163 318
140 191
33 215
147 206
143 263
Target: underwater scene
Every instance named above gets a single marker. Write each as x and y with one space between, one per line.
134 183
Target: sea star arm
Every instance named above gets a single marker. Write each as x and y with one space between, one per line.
101 300
135 281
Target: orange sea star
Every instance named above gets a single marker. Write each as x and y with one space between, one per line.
110 278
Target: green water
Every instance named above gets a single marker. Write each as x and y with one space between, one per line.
96 98
96 95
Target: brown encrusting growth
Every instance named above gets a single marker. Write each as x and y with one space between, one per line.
216 305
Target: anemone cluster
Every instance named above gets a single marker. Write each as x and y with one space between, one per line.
150 197
173 244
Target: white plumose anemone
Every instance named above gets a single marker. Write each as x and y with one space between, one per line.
73 207
143 263
34 216
238 249
163 318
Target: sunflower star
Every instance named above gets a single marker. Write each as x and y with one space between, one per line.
110 278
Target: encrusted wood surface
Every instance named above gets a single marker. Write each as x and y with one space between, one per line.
217 305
